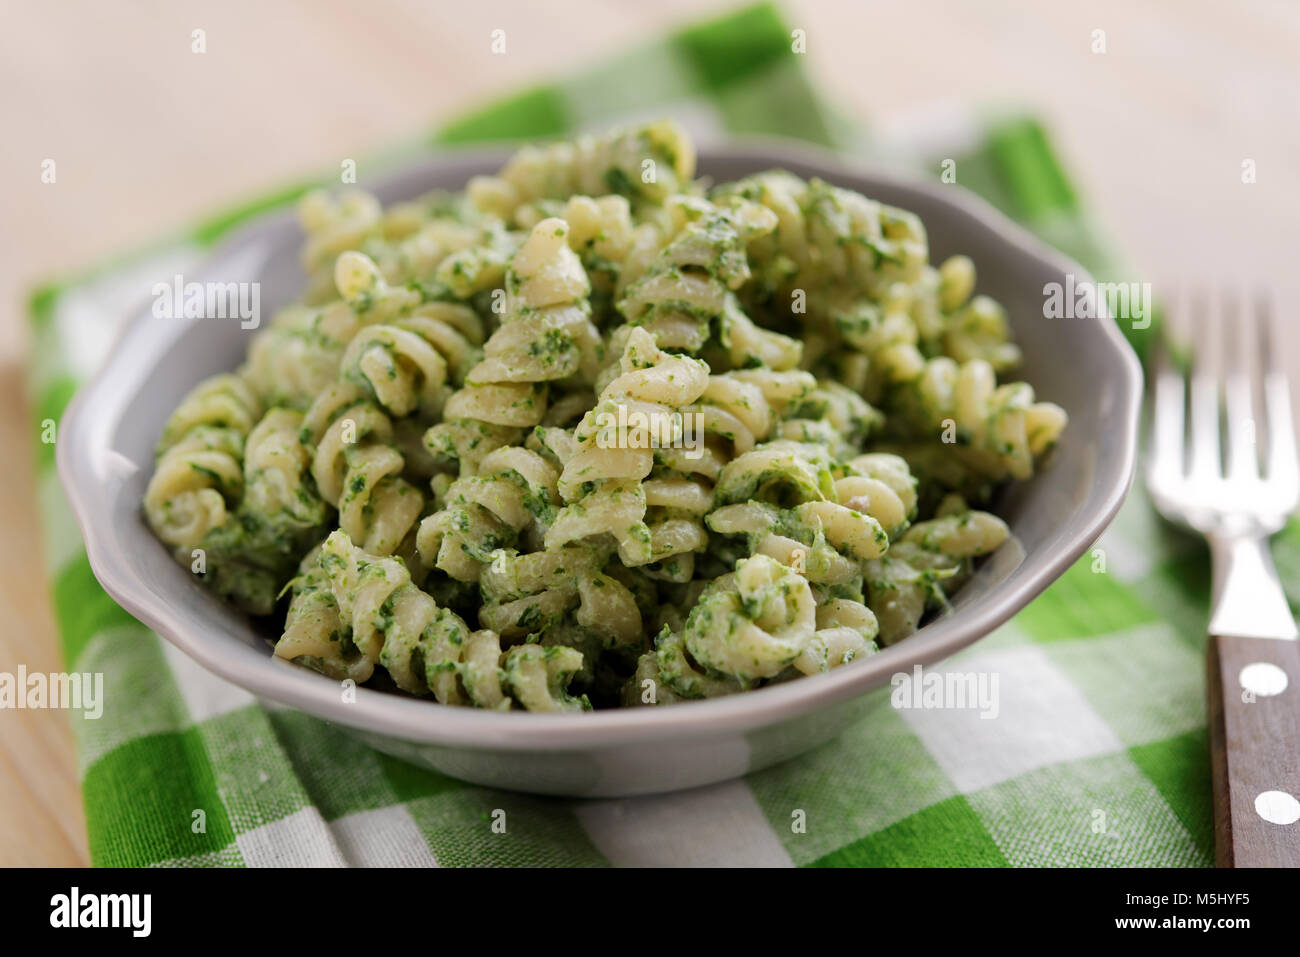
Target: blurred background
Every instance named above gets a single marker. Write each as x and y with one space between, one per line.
147 137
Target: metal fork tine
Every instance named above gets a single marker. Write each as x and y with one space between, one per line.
1205 396
1167 415
1283 470
1243 458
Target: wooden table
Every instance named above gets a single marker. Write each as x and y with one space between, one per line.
148 135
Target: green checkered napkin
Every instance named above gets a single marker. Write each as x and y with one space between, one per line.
1098 755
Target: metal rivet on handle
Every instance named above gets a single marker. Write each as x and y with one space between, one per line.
1263 679
1277 807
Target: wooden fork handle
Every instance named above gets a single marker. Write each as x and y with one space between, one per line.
1254 724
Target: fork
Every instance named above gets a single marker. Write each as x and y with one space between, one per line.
1252 655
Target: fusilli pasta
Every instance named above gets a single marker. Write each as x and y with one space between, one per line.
591 432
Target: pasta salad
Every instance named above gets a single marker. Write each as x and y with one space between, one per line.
594 432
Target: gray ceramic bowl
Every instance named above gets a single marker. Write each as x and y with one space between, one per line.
105 459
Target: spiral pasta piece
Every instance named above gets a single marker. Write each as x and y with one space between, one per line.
297 356
998 430
480 266
781 471
280 496
417 236
852 533
754 623
736 410
545 335
602 233
667 675
833 415
830 239
930 561
688 289
733 413
334 224
535 593
463 444
882 486
406 352
852 266
199 476
829 536
358 470
788 537
249 557
352 611
979 330
647 686
378 336
539 677
884 332
846 631
644 164
513 493
637 412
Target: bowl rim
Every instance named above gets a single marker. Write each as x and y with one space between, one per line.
418 720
